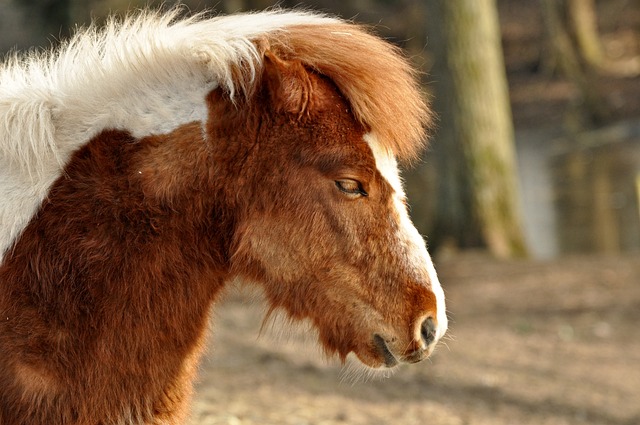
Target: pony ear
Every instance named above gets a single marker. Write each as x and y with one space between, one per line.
288 84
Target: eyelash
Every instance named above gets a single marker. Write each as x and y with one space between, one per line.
357 190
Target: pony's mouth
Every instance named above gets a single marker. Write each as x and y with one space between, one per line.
391 360
381 345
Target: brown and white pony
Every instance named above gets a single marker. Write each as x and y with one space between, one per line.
145 165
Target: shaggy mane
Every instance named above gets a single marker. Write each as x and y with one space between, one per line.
100 65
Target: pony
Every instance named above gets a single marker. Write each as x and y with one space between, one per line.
146 163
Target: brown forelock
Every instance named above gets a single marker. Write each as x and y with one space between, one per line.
105 295
378 81
319 254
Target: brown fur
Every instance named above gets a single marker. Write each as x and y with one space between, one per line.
106 294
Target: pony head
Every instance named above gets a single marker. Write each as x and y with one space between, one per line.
324 226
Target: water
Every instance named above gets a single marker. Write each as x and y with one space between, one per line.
580 193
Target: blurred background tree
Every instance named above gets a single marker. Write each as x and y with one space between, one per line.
574 50
477 191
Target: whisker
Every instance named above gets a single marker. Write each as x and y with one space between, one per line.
355 372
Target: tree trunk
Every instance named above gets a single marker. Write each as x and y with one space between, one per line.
574 51
561 53
477 197
582 14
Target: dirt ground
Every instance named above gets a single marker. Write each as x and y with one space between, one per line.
554 342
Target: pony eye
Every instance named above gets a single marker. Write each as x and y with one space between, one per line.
350 187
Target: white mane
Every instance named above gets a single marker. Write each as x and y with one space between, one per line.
148 74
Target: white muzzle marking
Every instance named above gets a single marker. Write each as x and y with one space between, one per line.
418 257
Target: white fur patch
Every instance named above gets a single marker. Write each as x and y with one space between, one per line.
419 257
147 75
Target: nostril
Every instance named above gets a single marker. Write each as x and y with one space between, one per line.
428 331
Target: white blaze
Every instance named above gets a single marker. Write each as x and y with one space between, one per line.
419 257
